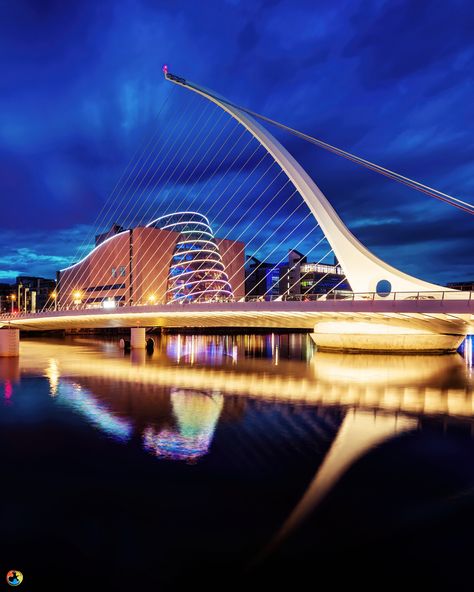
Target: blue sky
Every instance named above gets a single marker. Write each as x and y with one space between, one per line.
392 81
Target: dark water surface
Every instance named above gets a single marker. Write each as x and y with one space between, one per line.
224 462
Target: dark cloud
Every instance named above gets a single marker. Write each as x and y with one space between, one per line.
248 37
403 38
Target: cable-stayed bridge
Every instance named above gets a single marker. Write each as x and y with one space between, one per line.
233 171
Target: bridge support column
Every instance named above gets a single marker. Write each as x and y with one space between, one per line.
137 338
9 343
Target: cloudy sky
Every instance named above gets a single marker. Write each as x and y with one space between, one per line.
392 81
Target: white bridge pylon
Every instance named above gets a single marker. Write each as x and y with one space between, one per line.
364 271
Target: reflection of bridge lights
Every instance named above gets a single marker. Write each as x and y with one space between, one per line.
419 384
467 350
52 374
200 349
8 392
197 415
83 402
174 446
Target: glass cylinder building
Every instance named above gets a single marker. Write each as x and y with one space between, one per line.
196 271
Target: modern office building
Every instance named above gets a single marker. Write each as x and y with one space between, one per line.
302 277
295 277
174 258
261 278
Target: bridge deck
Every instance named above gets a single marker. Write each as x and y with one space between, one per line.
442 314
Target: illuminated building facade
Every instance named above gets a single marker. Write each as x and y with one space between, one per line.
175 258
301 277
295 277
196 271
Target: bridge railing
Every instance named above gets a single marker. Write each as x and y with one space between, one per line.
348 295
341 295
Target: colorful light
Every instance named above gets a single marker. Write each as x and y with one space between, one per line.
196 414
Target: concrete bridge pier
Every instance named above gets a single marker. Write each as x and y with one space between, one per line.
9 343
137 338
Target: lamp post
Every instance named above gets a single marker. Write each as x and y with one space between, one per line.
12 299
54 297
77 297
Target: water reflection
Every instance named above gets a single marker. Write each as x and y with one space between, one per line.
467 351
173 400
52 374
99 415
258 409
196 415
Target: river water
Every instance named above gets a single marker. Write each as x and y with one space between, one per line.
224 462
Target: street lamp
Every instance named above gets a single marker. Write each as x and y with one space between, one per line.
152 299
54 297
77 297
12 298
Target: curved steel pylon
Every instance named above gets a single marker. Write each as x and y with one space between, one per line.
365 271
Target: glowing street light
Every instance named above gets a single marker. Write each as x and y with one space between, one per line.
12 298
152 299
77 296
54 298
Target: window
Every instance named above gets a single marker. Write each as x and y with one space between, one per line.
122 270
114 272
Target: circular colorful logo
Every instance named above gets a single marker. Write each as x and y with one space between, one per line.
14 577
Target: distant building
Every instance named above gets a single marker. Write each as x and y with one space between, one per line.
7 296
305 278
297 277
261 278
34 293
464 286
175 258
